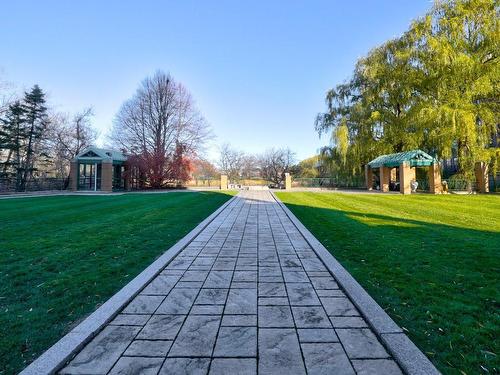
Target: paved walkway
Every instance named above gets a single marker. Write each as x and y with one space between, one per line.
247 296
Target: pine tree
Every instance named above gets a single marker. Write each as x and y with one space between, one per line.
36 125
12 139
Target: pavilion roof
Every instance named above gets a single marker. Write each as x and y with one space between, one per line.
94 154
416 158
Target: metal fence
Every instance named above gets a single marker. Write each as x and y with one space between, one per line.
423 185
357 182
250 182
460 185
206 182
9 185
353 182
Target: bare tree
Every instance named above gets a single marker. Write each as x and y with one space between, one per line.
250 167
231 162
7 95
274 163
69 136
204 171
7 99
158 120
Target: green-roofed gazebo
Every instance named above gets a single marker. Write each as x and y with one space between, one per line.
98 169
406 162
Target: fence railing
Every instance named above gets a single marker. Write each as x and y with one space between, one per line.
423 185
250 182
9 185
353 182
460 185
207 182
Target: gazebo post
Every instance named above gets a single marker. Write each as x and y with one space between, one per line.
385 178
404 178
107 175
413 173
368 177
73 175
434 177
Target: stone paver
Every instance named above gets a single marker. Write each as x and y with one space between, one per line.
248 295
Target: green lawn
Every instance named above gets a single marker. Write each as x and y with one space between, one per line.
432 262
61 257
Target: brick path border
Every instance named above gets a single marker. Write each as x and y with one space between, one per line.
404 351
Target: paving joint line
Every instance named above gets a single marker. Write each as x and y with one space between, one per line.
54 358
316 293
286 291
229 287
407 355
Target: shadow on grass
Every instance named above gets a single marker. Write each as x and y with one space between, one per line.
61 257
439 282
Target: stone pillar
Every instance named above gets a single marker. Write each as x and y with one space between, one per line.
394 174
413 173
482 179
73 176
223 182
404 178
107 176
434 177
385 178
368 177
288 181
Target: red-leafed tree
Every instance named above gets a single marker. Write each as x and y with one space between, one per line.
204 172
181 165
162 128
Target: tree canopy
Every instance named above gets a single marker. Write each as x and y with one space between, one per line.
161 127
435 88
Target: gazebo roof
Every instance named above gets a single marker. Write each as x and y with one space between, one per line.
94 154
416 158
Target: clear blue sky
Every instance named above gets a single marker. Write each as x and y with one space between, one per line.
258 70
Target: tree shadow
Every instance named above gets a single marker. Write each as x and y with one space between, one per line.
439 282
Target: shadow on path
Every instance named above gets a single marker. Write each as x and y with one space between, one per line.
437 281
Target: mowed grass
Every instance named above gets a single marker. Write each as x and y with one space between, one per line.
61 257
432 262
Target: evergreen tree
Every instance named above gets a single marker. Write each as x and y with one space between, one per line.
36 126
12 139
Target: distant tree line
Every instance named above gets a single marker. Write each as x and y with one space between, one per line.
270 166
435 88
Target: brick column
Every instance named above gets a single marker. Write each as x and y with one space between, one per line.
73 176
404 178
368 177
107 176
482 179
434 177
223 182
288 181
385 178
413 173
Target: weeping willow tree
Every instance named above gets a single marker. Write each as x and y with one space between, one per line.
435 88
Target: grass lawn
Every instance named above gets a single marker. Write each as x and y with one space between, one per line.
432 262
61 257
